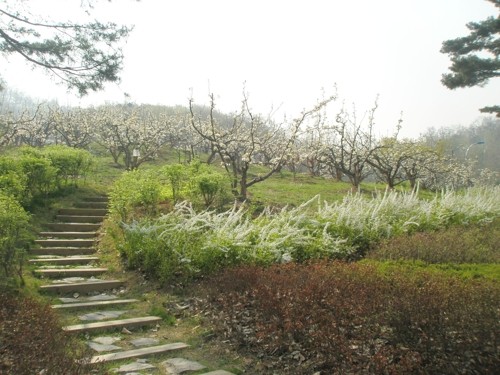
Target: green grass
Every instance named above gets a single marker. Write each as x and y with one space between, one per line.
104 174
160 311
281 190
285 189
470 271
469 252
478 243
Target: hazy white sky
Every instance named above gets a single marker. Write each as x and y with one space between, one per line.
286 52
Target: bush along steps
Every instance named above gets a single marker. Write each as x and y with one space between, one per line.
65 257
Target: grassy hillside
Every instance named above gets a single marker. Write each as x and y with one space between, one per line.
399 310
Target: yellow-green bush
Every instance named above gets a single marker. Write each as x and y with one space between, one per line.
14 221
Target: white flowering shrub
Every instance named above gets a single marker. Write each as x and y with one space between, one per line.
188 243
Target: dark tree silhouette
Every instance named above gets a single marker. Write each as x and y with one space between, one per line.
82 56
475 58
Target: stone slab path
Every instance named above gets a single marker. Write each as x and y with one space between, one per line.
65 259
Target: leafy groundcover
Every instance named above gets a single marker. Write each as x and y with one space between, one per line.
32 341
352 318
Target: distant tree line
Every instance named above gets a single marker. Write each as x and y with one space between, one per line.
338 146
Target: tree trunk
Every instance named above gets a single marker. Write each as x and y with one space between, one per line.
243 186
338 175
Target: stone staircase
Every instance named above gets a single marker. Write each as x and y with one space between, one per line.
65 259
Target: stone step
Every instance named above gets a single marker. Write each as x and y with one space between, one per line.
64 260
91 205
112 324
96 199
79 218
83 211
143 352
67 234
70 272
73 227
93 298
80 305
62 251
65 243
82 287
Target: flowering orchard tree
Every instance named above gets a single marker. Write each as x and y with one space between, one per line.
422 162
447 173
349 145
396 161
184 139
310 150
39 130
250 139
18 127
8 129
75 127
132 132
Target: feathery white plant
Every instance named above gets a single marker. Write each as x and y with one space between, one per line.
480 203
314 229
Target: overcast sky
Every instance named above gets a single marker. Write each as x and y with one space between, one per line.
286 52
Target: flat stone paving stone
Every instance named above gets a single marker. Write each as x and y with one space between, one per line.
148 351
103 347
69 300
102 297
94 304
176 366
106 340
135 366
70 280
82 287
101 315
99 297
144 341
67 267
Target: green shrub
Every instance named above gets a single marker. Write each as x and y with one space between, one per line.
139 192
210 186
197 182
30 173
135 189
177 176
40 173
14 222
71 163
13 181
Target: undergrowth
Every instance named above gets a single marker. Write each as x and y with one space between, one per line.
342 318
32 342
